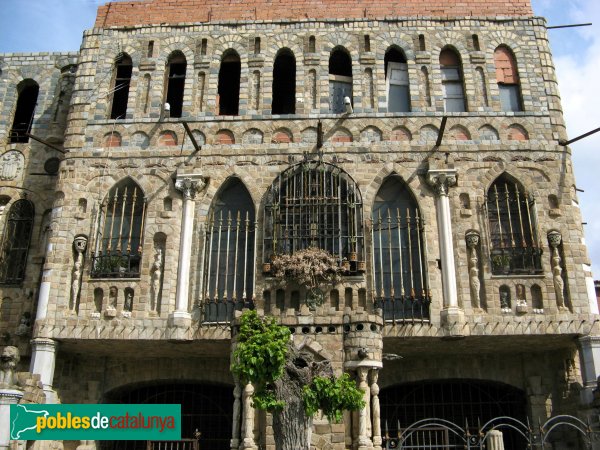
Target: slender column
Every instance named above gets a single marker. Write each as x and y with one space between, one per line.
375 410
248 427
495 440
8 397
441 180
43 360
189 186
237 406
363 417
472 239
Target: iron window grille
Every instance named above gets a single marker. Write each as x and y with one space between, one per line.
514 243
120 238
228 277
400 282
17 237
315 204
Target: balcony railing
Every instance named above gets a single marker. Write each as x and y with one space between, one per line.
404 309
222 310
116 265
516 260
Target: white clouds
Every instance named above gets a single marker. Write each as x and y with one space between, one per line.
579 77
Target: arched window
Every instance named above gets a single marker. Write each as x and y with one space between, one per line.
315 204
507 78
15 246
120 86
400 265
28 91
120 232
284 83
514 244
176 68
228 278
396 77
452 81
340 79
229 84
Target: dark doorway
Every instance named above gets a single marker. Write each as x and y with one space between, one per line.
120 90
206 408
458 401
176 83
28 93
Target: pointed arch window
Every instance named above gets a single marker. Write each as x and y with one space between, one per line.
507 77
28 91
176 68
396 77
229 253
16 240
229 84
315 204
452 81
399 261
514 245
340 79
120 232
120 86
284 83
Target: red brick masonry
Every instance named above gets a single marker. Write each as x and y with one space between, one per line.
145 12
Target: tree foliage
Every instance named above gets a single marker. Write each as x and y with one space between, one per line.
260 358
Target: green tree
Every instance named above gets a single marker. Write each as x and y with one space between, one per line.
288 383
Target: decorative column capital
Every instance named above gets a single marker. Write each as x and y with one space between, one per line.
80 243
441 180
554 239
190 185
472 238
44 344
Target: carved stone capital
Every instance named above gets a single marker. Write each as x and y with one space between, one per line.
472 239
189 186
441 180
554 239
80 243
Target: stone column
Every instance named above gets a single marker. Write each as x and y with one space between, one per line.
237 409
495 440
375 410
364 441
7 397
43 360
589 356
248 426
189 186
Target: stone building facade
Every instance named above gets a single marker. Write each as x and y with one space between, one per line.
167 164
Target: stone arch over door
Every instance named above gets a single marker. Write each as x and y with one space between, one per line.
205 407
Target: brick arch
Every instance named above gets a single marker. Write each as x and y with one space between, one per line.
385 41
229 42
340 39
247 179
413 183
168 46
527 180
453 40
102 133
279 42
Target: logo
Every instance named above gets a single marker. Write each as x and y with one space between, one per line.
95 422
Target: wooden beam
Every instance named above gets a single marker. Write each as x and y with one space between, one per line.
46 143
441 132
191 136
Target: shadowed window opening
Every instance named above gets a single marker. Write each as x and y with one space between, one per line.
452 81
176 83
396 76
120 89
284 83
229 84
340 79
28 93
17 236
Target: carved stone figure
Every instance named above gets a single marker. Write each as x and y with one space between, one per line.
11 165
474 281
128 305
112 297
24 327
156 277
555 238
79 245
8 364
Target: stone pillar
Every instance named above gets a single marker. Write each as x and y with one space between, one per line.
189 186
43 360
248 425
495 440
472 239
364 441
375 410
7 397
237 409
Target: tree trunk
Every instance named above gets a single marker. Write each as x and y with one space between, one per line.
291 427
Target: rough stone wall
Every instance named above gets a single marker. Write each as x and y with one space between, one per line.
54 75
165 11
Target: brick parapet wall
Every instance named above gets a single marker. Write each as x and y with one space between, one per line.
188 11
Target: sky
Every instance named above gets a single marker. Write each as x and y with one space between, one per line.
57 25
